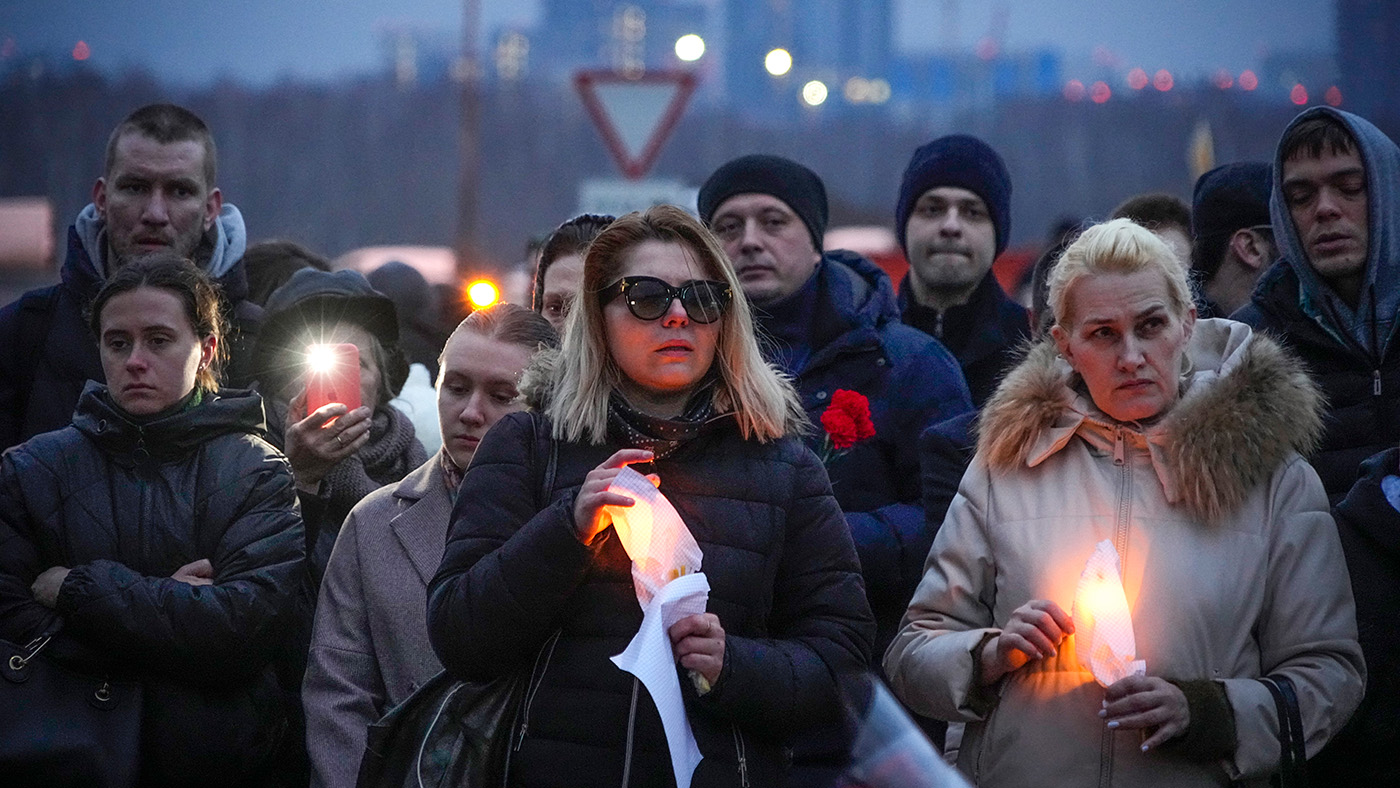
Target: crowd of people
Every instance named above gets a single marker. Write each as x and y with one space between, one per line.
212 570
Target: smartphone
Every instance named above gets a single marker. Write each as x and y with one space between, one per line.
333 375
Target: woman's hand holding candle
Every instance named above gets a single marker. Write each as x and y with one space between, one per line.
589 518
1033 632
1147 703
698 642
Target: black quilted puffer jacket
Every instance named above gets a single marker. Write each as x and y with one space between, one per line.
784 581
124 504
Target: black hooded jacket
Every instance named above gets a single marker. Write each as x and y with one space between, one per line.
1353 352
124 505
1367 751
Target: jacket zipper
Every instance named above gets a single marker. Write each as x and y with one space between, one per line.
742 751
1376 382
1120 543
536 679
1120 458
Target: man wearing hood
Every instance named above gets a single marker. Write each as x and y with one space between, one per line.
831 321
1334 297
156 192
1335 293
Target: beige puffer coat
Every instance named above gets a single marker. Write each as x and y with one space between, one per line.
1231 565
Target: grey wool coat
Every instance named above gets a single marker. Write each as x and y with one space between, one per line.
369 646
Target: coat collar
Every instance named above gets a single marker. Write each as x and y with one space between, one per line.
425 513
1246 405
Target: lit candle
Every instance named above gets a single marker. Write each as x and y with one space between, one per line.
1103 625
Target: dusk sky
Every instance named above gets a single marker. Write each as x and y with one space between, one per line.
259 41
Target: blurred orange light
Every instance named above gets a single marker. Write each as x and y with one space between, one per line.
1223 80
81 51
482 294
1074 90
1298 95
988 48
1137 79
1100 92
1162 80
1248 81
1333 96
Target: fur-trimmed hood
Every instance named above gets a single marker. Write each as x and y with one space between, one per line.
1246 405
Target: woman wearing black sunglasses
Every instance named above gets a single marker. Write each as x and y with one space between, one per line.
659 369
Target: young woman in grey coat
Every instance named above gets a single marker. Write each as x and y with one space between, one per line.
369 645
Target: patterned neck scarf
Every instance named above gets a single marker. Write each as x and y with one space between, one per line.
451 474
630 427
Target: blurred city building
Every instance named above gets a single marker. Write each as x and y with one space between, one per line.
1368 59
372 159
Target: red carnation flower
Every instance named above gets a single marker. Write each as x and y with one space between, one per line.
847 422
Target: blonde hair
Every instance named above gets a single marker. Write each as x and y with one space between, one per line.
1119 246
584 374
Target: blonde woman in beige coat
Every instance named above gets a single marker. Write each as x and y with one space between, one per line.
1180 441
369 647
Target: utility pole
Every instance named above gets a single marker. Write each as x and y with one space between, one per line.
469 142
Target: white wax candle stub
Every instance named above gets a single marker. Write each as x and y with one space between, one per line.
1103 625
670 586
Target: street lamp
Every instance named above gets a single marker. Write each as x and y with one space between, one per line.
690 47
778 62
814 93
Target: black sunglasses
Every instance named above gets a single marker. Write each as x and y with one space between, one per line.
648 298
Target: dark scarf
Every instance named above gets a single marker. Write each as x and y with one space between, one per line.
791 324
451 474
634 429
392 452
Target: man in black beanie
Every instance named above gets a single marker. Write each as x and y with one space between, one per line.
832 323
952 219
1233 240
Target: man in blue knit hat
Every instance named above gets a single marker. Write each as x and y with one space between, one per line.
953 218
833 323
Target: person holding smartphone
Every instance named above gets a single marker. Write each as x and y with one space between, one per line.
340 451
369 646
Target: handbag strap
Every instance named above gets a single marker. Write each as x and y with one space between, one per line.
547 442
20 662
1293 762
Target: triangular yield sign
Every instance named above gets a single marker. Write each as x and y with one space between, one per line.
635 115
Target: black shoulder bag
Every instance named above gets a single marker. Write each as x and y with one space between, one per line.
60 727
451 732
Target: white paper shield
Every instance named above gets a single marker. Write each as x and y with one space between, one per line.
670 586
1103 626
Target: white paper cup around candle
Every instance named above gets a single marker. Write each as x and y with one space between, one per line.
1103 625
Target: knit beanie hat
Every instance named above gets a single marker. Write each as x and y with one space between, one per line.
963 161
795 185
1228 198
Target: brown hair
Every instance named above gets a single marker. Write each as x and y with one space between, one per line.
180 277
165 123
509 323
571 237
1156 211
1310 137
269 264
